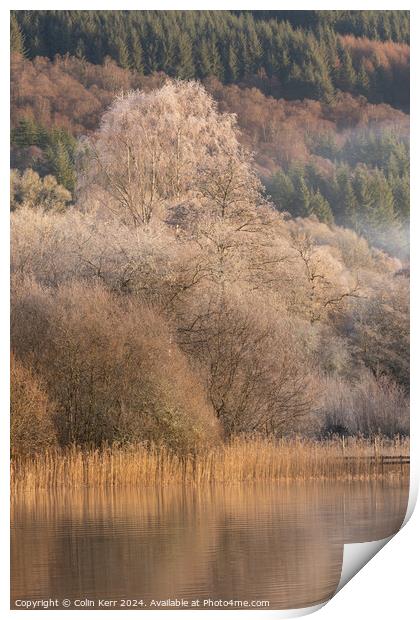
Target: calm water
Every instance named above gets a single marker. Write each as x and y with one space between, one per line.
281 543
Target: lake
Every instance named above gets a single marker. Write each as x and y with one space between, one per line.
280 543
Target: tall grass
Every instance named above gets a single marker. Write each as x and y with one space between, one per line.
241 460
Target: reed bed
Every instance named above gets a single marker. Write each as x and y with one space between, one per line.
242 460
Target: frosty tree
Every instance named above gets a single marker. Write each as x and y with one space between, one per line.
165 146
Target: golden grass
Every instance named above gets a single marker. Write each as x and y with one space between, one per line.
241 460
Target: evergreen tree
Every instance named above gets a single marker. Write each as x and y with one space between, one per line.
214 57
304 54
61 165
245 60
80 50
231 64
252 47
121 53
382 216
401 192
363 191
184 65
346 74
319 206
136 52
204 63
17 41
363 81
349 207
25 133
303 198
282 191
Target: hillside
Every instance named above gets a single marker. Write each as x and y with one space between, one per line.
209 226
312 61
346 161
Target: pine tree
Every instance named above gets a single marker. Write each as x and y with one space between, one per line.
294 78
25 133
204 64
363 81
61 165
43 137
136 52
349 207
401 192
80 50
346 73
231 64
252 45
245 64
121 53
303 54
378 215
17 41
363 190
282 191
214 58
382 216
320 207
184 64
303 199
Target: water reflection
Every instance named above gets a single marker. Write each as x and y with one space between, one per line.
278 542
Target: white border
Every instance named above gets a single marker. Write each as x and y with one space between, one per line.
387 585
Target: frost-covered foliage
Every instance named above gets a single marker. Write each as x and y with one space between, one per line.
345 161
162 147
174 304
28 189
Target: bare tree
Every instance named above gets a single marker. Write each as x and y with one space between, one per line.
255 378
149 149
326 292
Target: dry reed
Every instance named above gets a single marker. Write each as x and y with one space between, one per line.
241 460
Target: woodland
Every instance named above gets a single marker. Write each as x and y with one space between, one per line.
209 219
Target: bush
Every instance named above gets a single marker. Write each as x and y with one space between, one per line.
30 190
367 407
112 366
31 426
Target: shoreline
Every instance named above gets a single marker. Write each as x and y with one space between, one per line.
240 461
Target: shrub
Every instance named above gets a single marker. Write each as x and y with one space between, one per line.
31 426
367 407
29 189
112 366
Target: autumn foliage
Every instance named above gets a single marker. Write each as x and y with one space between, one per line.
173 305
